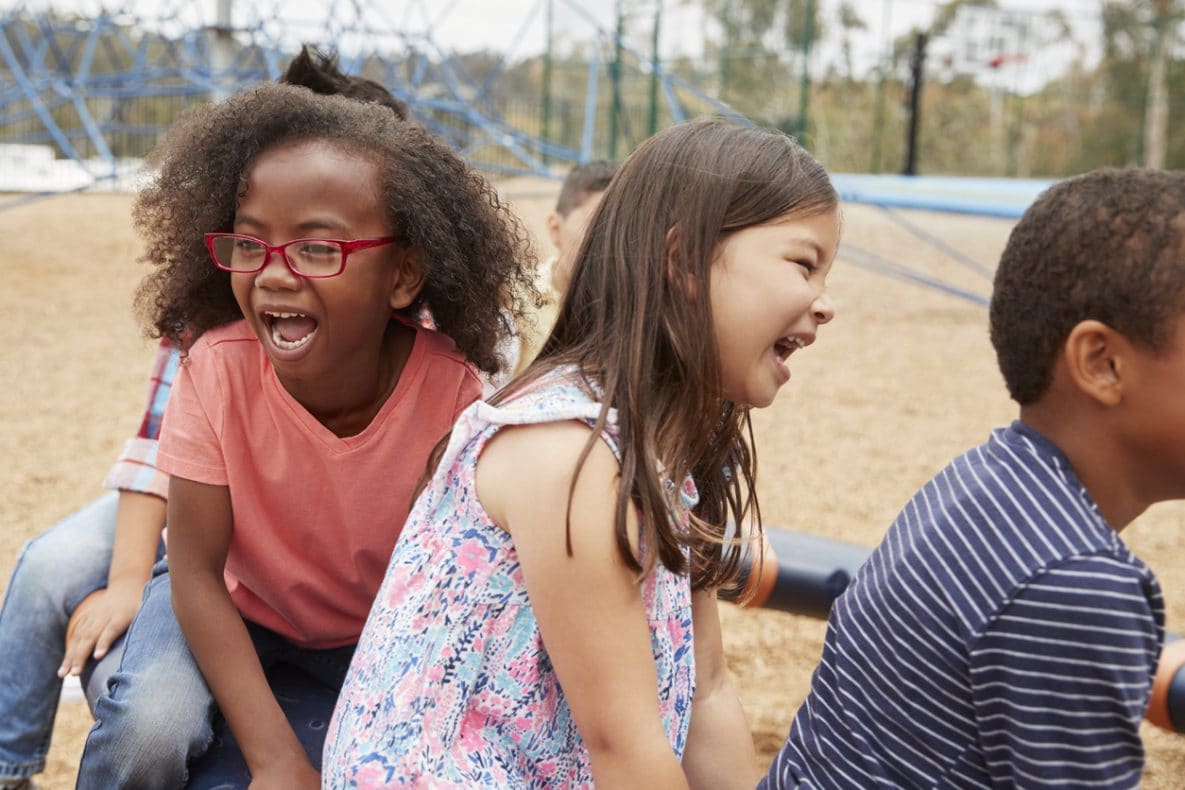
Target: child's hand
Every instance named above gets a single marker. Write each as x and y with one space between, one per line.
101 618
291 775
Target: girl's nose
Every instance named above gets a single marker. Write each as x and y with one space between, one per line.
822 308
277 274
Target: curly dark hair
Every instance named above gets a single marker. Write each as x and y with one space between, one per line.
1106 246
475 255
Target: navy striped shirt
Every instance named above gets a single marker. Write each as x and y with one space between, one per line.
1001 635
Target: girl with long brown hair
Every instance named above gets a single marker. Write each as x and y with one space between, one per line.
535 624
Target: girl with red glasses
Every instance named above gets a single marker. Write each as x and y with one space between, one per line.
297 237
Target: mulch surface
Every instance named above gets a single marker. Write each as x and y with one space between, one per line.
901 382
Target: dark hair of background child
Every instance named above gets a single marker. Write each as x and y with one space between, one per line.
583 180
319 72
1107 246
637 319
473 250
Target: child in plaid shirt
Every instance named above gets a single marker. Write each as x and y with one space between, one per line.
75 589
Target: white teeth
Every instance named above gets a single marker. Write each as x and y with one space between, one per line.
289 345
787 346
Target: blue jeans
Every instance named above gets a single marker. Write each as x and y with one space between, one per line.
55 571
156 713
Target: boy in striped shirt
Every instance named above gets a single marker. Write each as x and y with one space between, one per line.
1002 634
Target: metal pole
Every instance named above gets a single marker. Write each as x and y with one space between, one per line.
221 51
615 82
808 33
652 127
725 47
917 66
878 123
545 120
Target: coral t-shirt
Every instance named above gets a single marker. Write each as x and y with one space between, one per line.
315 515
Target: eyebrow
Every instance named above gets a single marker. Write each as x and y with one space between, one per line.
303 227
807 242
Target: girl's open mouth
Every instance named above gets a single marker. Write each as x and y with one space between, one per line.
289 331
787 346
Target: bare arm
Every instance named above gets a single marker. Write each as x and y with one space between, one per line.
588 605
719 751
104 615
200 528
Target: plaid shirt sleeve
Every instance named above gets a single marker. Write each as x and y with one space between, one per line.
136 468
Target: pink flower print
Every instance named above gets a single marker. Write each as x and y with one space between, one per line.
649 592
675 629
399 586
470 738
472 556
523 668
371 775
369 702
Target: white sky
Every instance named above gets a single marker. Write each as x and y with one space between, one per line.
517 26
494 23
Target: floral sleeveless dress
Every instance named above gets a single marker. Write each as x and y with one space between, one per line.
450 685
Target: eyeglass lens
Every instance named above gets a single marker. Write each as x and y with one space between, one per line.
309 256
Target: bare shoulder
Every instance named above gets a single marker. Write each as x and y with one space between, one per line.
531 467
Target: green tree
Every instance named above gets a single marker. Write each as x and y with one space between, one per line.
761 52
849 21
1166 17
1140 41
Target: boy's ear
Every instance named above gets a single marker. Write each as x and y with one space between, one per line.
1096 359
408 280
553 228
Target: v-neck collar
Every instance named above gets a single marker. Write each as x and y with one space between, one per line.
314 427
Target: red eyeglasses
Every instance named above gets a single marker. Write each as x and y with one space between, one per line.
312 258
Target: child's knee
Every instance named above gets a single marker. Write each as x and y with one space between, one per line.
160 710
147 726
78 546
52 574
44 575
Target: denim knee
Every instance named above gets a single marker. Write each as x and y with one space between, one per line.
147 727
69 561
156 711
166 711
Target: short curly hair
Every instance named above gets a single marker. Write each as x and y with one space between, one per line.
1106 246
474 252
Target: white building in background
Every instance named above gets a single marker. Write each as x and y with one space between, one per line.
36 168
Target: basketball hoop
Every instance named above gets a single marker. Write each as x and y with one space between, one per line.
1001 59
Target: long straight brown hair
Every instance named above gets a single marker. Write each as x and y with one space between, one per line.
637 321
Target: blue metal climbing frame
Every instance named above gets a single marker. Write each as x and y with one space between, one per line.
78 78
